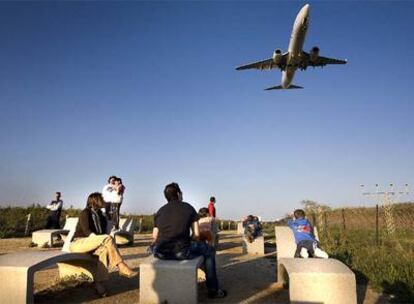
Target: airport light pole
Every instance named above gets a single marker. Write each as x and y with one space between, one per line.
386 198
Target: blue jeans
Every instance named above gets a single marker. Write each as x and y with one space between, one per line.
209 254
196 249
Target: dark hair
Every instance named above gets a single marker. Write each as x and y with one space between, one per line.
171 192
203 212
298 213
95 201
250 218
58 193
111 177
212 199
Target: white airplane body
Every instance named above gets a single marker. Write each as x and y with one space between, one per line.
295 57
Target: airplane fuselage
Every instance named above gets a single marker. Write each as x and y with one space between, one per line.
296 42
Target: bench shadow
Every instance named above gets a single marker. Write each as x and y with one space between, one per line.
76 291
253 280
401 292
228 245
270 248
127 257
228 236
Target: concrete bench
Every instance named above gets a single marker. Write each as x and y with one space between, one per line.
125 234
168 281
240 228
17 269
312 280
255 247
45 236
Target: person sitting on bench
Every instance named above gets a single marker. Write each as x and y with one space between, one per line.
171 237
206 225
252 228
90 236
306 243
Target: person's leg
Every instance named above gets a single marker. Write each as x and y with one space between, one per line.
309 247
105 248
115 215
108 211
319 253
48 222
202 249
298 249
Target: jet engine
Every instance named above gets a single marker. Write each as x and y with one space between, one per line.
314 53
277 56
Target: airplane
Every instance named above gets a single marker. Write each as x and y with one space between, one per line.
295 57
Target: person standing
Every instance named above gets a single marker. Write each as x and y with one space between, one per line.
112 194
55 210
211 207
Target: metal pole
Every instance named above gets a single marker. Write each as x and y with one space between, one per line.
140 225
343 219
376 225
29 217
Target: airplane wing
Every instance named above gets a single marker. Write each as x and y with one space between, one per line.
260 65
322 61
266 64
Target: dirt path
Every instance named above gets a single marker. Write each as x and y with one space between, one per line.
248 279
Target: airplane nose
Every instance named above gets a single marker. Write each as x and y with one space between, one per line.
306 9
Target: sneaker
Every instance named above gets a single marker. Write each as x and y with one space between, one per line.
304 253
217 294
321 254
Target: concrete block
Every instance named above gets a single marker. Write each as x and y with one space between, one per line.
78 269
312 280
125 234
327 281
256 247
240 229
169 281
43 237
17 272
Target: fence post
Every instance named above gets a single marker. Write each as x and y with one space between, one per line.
376 225
343 219
29 217
140 225
228 226
221 225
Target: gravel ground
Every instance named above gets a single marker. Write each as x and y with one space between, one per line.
248 279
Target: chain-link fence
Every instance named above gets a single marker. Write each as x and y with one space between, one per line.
379 224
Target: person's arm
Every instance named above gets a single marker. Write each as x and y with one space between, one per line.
55 207
291 224
195 228
110 194
84 223
155 233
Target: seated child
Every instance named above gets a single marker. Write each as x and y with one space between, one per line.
206 226
252 228
306 243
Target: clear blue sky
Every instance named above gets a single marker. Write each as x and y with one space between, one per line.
148 91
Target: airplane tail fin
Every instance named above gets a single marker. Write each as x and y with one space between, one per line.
279 87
